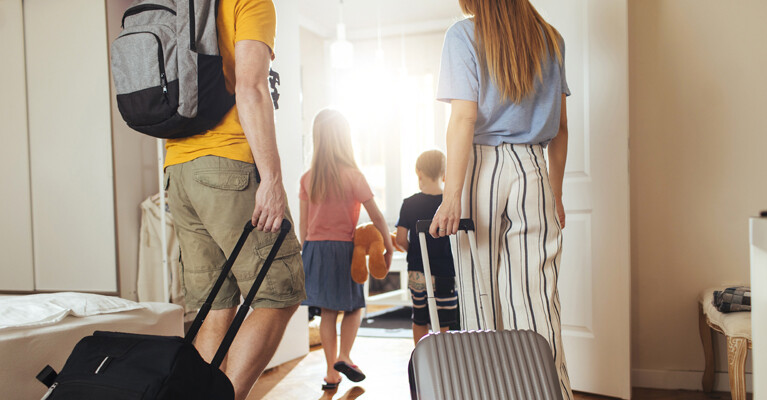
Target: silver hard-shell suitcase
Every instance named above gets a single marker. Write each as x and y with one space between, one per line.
474 365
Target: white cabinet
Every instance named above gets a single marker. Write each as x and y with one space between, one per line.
70 139
58 207
16 271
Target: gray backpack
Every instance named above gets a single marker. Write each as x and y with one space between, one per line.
167 69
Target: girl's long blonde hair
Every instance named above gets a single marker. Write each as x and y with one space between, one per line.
332 150
512 42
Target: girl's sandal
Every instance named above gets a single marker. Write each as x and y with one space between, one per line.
350 370
330 386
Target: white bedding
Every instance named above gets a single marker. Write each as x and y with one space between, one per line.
25 351
47 309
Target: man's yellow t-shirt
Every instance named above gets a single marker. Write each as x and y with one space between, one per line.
237 20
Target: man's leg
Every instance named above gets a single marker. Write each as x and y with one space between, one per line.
212 332
254 346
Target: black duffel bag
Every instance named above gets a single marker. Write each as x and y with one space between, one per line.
126 366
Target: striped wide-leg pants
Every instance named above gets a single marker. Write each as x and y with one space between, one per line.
519 240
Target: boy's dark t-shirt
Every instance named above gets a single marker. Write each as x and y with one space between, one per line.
424 206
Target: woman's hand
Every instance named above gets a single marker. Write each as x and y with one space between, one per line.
445 221
560 211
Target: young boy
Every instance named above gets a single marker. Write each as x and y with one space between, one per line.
430 168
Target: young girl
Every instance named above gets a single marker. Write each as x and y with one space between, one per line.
331 193
503 73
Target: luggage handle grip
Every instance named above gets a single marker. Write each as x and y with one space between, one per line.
463 225
284 227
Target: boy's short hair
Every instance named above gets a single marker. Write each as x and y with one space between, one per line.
431 163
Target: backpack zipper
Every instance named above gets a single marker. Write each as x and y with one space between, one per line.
50 390
144 7
160 61
164 83
102 365
192 27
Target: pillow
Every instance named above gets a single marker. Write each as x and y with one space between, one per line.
50 308
87 304
19 312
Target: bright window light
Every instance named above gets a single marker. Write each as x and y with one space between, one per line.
392 117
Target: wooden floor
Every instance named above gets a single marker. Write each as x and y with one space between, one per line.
384 362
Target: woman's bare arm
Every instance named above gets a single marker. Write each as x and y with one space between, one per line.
460 135
557 159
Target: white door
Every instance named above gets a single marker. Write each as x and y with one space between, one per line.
594 281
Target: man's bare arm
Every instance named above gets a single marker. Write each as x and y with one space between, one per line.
254 105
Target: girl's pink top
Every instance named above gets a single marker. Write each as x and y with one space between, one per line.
335 218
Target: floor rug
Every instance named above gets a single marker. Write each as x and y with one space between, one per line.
390 323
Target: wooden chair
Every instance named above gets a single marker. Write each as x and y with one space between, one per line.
736 327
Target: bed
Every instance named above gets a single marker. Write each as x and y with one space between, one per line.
24 351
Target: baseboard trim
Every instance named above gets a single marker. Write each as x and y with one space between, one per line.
684 380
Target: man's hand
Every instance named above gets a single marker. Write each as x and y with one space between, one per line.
270 206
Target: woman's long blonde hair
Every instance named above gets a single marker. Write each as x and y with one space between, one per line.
512 43
332 150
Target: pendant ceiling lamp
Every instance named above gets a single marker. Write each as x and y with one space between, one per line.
341 50
379 48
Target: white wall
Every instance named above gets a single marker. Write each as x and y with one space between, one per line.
698 170
295 343
315 84
288 117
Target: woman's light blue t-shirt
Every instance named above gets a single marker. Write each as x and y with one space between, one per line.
535 120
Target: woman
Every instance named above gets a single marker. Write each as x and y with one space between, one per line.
503 74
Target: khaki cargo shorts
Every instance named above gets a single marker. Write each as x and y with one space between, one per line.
211 198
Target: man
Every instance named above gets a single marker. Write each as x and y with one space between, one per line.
213 190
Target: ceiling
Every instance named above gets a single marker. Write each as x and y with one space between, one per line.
360 16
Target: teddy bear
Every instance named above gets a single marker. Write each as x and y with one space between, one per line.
368 241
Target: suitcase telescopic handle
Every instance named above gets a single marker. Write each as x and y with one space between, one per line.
466 225
463 225
200 318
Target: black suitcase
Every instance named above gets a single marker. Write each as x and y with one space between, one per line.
125 366
479 365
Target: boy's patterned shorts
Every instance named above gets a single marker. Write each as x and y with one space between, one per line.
444 293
